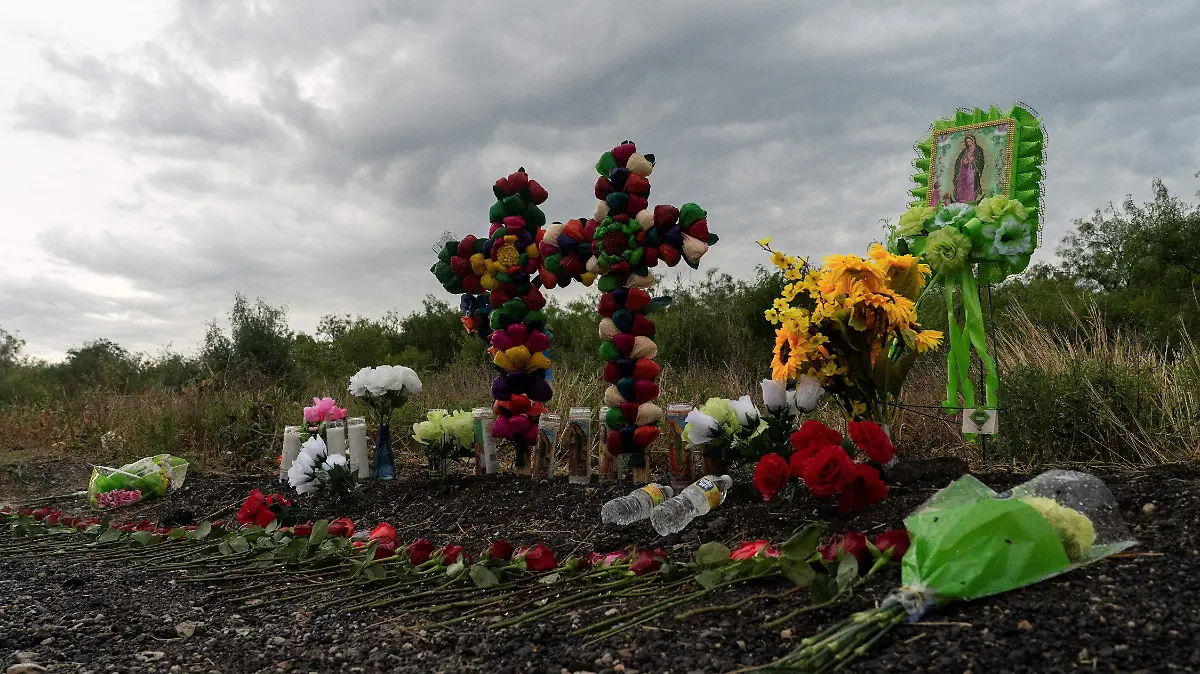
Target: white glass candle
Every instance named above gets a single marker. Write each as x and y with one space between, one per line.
291 449
335 437
356 433
491 457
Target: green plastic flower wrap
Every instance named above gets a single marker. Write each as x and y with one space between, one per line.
968 542
444 436
980 229
150 477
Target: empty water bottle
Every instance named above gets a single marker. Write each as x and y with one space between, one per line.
636 506
695 500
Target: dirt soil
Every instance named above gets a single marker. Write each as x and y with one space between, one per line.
1137 612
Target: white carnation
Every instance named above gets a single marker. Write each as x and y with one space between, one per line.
410 382
358 382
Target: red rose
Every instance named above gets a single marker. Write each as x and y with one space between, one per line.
864 489
853 544
872 440
452 553
255 511
53 517
610 559
501 551
647 561
342 526
538 559
770 475
384 533
419 551
144 525
828 471
895 540
41 513
752 549
808 441
302 529
278 500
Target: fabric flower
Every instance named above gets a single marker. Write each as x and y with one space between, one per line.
1076 531
996 207
700 427
323 409
419 551
873 440
946 250
745 411
501 551
896 540
720 409
808 440
864 489
912 222
828 471
955 215
752 549
770 475
774 396
1013 238
807 394
538 559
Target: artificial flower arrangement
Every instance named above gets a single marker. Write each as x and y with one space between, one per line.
150 477
315 469
384 389
784 407
725 430
968 541
851 325
445 435
321 412
825 463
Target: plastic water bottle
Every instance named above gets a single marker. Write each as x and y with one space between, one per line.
636 506
695 500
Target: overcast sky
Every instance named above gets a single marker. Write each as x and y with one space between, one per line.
157 157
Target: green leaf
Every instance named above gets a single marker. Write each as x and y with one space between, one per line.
223 549
176 533
712 553
549 579
319 531
483 576
710 578
798 571
201 532
822 588
375 572
141 538
272 527
296 548
847 572
239 545
109 536
456 569
803 545
264 543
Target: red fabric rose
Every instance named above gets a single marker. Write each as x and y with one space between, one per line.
302 529
864 489
255 511
808 441
342 526
896 540
828 472
453 553
539 558
872 440
752 549
770 475
853 544
384 533
648 561
419 551
500 551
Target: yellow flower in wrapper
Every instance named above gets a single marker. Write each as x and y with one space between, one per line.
1073 527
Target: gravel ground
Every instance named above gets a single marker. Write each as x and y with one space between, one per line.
1138 612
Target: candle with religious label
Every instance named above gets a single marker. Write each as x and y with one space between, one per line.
680 450
356 434
485 418
608 460
291 449
335 437
578 438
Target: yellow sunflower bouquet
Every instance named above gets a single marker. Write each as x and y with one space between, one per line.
851 324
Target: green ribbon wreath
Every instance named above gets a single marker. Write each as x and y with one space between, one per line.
967 244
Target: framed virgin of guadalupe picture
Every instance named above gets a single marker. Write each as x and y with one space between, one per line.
970 163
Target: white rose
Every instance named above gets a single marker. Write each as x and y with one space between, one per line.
807 394
700 427
747 413
774 395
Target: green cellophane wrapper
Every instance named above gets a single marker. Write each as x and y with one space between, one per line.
153 476
969 541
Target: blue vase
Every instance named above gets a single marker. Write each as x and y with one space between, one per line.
385 465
